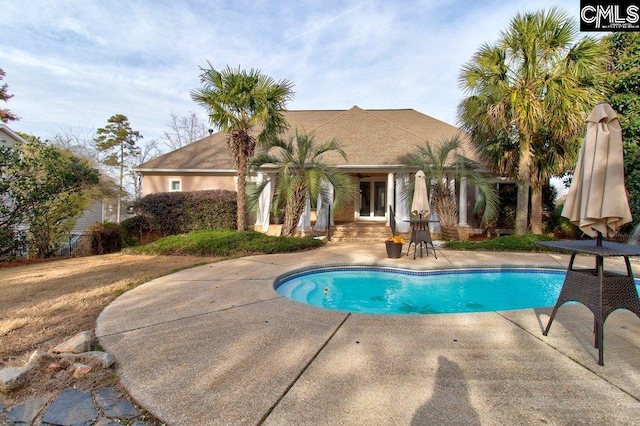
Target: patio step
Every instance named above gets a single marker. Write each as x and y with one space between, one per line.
360 232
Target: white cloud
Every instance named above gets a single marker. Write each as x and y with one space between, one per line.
76 63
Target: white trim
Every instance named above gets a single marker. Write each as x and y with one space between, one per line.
372 180
182 171
11 133
175 180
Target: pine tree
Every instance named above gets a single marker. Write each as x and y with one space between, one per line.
118 141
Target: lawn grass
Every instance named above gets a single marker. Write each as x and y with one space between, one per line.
227 243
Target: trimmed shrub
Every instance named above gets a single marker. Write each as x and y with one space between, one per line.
226 242
172 213
134 231
105 238
525 243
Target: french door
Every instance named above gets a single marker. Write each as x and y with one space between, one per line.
373 199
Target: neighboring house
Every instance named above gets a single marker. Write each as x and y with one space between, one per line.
374 141
100 211
95 213
8 137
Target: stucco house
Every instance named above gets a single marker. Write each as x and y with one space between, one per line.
374 141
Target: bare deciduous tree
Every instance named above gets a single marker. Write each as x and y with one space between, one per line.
184 130
146 152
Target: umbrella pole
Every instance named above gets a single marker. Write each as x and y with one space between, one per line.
599 259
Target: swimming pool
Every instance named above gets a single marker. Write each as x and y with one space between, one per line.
380 290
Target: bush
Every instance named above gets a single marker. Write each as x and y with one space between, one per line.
226 242
105 238
562 227
506 243
172 213
134 230
13 243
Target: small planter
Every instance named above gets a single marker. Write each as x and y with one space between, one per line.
394 250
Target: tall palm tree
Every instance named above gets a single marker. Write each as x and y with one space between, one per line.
442 162
535 85
240 103
302 173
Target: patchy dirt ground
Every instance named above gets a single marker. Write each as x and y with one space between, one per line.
43 304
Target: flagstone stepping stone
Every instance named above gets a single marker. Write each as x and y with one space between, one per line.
25 413
114 406
71 408
103 421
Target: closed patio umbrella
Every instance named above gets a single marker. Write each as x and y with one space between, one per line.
420 203
597 200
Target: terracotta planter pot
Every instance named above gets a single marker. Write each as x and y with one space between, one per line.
394 250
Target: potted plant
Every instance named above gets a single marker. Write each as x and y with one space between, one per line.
394 246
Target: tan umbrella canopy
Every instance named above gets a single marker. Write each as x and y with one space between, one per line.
420 203
597 200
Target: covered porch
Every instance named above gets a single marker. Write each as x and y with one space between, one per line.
379 191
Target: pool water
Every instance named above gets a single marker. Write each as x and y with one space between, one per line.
377 290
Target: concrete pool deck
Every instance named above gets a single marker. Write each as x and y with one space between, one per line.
217 345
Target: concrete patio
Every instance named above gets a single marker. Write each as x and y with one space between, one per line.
216 345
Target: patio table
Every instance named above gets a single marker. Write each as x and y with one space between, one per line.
601 291
420 235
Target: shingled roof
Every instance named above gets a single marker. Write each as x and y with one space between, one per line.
371 138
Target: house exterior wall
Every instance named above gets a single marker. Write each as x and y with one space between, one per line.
161 183
7 137
90 216
345 214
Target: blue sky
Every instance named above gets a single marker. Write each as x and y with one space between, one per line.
75 63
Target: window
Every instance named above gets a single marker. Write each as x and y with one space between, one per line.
175 185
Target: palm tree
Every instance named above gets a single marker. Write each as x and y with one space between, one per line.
239 102
535 85
302 173
441 163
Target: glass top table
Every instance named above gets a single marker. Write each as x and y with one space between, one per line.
601 291
420 235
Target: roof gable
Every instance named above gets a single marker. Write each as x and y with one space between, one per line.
209 153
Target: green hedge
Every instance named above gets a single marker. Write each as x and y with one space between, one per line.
105 238
226 242
506 243
172 213
134 230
